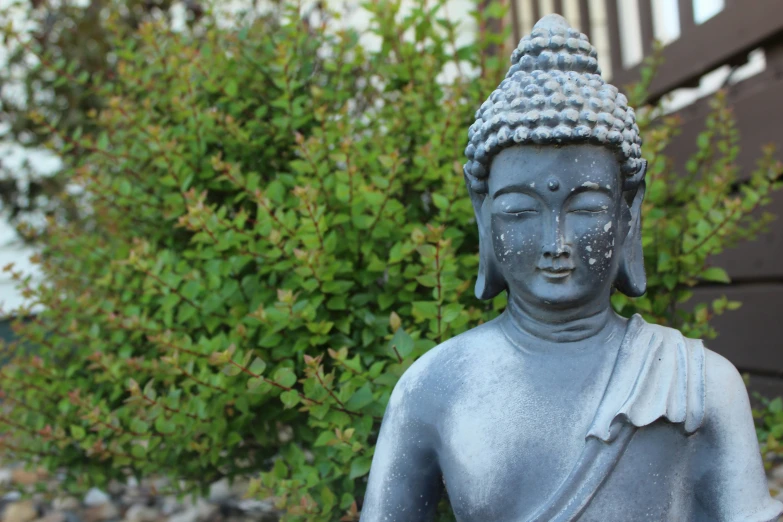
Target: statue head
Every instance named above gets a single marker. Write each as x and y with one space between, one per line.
556 177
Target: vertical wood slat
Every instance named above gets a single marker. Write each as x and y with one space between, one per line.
536 11
559 7
515 28
646 21
584 17
685 9
613 27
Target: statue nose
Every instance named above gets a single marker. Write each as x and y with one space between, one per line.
555 250
554 241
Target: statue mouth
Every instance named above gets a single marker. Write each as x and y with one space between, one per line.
556 273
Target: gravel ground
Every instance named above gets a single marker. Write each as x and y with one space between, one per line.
131 502
134 502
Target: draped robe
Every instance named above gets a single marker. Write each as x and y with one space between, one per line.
670 439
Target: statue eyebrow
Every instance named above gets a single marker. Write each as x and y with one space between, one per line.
526 189
590 187
523 188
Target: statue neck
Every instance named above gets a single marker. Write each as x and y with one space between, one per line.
582 323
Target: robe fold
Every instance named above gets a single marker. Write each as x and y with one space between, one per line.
659 375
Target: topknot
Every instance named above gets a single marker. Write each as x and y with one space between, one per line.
553 93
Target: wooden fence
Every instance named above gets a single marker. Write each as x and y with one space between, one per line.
752 337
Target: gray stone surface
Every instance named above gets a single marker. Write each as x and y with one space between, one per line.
559 409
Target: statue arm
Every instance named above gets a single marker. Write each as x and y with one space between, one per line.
730 483
404 483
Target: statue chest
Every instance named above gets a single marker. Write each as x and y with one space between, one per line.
509 440
520 426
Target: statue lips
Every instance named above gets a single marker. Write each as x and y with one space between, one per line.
556 273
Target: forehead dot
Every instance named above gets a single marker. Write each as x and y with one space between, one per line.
553 184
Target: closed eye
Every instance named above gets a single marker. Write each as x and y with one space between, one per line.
520 212
587 211
515 204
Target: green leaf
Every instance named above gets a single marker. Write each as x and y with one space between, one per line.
428 280
258 366
323 438
232 370
425 310
289 398
401 343
138 451
254 383
285 377
361 398
232 88
715 274
164 425
359 467
440 201
139 426
77 432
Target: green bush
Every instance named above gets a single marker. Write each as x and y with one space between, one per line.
690 216
277 227
73 32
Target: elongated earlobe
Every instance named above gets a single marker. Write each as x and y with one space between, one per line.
489 282
631 278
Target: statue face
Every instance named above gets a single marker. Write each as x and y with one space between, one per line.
555 221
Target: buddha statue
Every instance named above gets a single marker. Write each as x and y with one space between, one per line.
559 409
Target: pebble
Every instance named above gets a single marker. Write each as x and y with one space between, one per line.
128 501
140 513
21 511
100 513
96 497
6 476
65 504
24 477
219 491
53 517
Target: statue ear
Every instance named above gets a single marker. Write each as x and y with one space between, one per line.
489 282
631 279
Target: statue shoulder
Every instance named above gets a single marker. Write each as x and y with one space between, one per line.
727 397
431 377
715 391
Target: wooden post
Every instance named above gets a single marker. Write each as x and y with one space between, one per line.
685 8
613 26
584 17
646 20
516 31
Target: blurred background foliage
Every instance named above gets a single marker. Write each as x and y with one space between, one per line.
269 226
75 37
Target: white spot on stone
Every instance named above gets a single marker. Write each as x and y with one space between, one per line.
589 248
607 226
590 184
591 261
608 254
